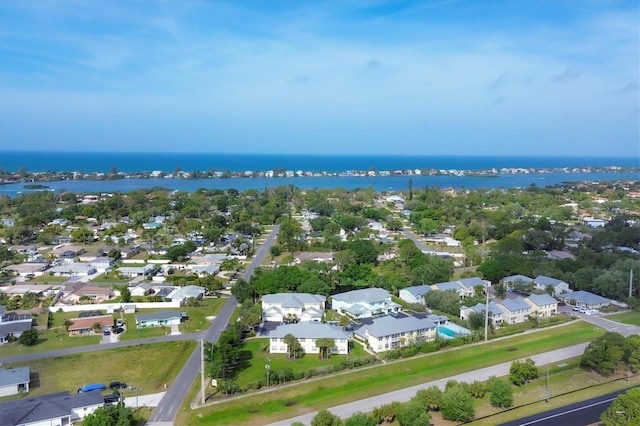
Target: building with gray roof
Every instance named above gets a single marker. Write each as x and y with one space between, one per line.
495 312
544 283
390 332
14 380
364 303
307 333
515 310
415 294
542 305
515 281
289 307
587 299
60 408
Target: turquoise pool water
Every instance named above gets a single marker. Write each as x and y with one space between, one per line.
451 331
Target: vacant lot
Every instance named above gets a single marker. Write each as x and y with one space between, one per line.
629 317
147 366
339 389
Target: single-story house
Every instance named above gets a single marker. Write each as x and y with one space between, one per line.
74 290
141 289
364 303
542 283
586 299
204 270
22 289
593 222
14 380
13 330
182 294
282 307
465 287
85 326
559 255
24 269
495 312
76 269
102 263
60 408
307 333
542 305
415 294
388 332
136 271
515 310
159 319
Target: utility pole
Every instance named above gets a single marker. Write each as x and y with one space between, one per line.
486 314
630 282
202 370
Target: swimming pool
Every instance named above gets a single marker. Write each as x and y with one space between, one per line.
451 331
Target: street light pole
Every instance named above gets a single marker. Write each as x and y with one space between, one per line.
268 367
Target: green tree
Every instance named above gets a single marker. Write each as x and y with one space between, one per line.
413 414
430 398
289 234
325 345
501 393
457 405
28 337
385 413
625 410
604 353
326 418
522 372
110 415
294 348
475 320
82 235
360 419
125 294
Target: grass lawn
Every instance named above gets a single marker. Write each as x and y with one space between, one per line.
111 278
47 279
197 320
147 366
629 317
510 329
256 371
363 383
571 385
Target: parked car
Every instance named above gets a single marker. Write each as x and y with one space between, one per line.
562 304
119 323
117 385
118 330
576 308
92 387
106 332
110 399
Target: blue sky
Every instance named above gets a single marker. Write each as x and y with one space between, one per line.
336 77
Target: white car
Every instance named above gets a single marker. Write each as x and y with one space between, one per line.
576 308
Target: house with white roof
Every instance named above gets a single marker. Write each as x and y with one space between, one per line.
364 303
542 305
182 294
515 310
75 269
389 332
136 271
415 294
495 312
281 307
586 299
543 282
307 333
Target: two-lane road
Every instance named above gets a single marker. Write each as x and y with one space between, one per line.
168 407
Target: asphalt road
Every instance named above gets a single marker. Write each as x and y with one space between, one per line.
413 237
403 395
578 414
168 407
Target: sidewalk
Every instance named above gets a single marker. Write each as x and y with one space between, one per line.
150 400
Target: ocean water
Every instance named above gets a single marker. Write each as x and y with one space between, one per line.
168 162
378 183
137 162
